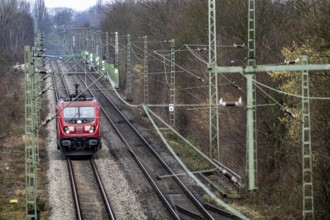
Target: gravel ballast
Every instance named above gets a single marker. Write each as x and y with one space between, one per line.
129 193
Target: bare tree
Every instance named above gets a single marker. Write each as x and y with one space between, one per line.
41 16
63 16
7 9
278 24
15 28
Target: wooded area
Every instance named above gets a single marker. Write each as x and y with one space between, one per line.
15 32
284 30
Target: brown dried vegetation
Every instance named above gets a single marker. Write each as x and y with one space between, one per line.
278 25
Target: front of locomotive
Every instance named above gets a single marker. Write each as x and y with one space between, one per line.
78 127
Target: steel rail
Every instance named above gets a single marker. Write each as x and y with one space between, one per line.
106 202
220 211
140 164
74 190
179 182
62 78
71 173
54 82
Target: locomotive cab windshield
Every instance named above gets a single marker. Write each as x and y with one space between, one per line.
79 114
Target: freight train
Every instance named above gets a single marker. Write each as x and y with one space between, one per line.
78 125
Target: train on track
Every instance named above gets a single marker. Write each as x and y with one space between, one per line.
78 125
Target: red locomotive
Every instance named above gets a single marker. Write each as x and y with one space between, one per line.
78 125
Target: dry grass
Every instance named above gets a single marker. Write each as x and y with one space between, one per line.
12 182
12 157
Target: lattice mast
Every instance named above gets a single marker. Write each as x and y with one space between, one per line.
128 69
31 187
172 85
213 84
145 70
251 137
116 51
307 167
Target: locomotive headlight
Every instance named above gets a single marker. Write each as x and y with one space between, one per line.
91 129
66 130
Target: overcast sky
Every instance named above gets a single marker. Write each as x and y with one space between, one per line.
77 5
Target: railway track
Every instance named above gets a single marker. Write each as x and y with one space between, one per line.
60 86
175 195
90 202
180 202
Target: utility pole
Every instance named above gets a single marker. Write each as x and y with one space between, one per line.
251 115
91 18
145 70
116 51
31 141
128 69
33 61
107 53
213 84
307 167
250 72
172 86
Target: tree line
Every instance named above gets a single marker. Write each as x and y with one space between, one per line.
284 30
